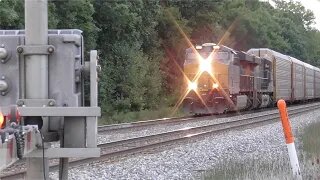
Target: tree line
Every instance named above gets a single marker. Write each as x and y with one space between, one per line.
141 42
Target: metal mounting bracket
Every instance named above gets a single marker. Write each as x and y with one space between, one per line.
60 111
36 102
36 50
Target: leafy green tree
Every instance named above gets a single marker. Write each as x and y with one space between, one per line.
11 14
174 35
313 47
131 79
297 12
76 14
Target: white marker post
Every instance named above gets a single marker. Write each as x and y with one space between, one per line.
289 139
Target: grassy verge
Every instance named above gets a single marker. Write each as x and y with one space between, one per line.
311 140
164 112
249 169
253 168
277 167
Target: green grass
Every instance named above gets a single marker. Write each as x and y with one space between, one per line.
255 169
249 169
311 140
165 112
276 168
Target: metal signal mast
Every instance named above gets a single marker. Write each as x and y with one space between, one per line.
42 95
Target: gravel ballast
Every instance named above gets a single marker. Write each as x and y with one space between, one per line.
115 136
189 160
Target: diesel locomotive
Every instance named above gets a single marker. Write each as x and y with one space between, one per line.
221 79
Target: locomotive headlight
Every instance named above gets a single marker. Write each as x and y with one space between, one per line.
192 86
215 85
205 65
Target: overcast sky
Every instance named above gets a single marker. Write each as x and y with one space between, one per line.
313 5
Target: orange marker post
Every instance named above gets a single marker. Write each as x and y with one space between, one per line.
289 139
2 120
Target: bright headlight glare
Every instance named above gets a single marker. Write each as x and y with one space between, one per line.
205 65
198 47
215 85
216 47
193 86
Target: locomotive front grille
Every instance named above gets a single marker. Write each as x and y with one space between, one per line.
205 82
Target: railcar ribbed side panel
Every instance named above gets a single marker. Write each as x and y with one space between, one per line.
298 79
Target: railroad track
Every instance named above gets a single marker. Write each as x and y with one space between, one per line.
135 126
124 148
141 124
125 127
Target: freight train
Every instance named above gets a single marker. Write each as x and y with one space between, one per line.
220 79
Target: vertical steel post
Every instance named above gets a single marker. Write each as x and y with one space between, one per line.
92 122
36 66
36 71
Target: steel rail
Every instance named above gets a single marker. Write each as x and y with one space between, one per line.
123 127
137 145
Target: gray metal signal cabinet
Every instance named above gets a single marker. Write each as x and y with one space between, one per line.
42 72
64 115
65 79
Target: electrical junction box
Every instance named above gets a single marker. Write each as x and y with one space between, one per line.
64 110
